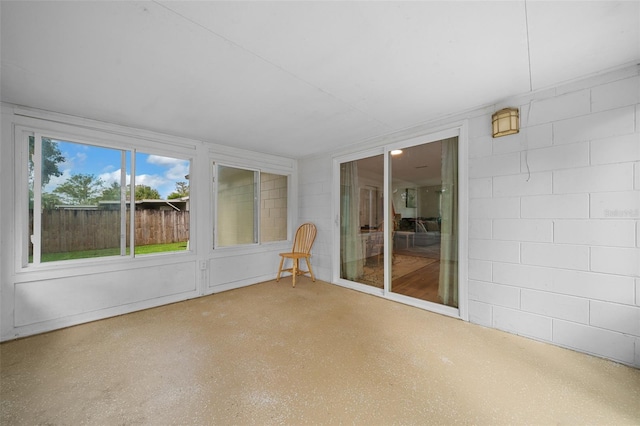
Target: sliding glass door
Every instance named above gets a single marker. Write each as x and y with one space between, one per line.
416 254
424 207
362 221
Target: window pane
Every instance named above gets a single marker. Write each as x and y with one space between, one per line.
273 207
81 206
162 204
236 206
30 181
362 221
424 186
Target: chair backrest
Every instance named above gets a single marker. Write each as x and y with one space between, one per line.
305 235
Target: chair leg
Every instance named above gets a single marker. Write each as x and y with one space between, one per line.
313 278
280 268
295 271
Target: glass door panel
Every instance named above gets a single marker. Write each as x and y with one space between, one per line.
424 192
361 221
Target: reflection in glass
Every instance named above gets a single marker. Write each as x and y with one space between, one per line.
425 261
273 207
236 206
423 222
361 221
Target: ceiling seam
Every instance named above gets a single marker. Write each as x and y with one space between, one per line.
209 30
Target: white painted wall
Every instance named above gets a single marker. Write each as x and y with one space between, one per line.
554 213
315 206
60 294
554 234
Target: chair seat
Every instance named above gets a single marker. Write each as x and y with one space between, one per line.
295 255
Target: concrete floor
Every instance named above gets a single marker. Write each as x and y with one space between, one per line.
316 354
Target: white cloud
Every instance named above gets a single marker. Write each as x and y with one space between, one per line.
154 181
163 161
55 181
109 177
177 169
81 157
73 161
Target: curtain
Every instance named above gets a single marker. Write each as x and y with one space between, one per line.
448 283
351 256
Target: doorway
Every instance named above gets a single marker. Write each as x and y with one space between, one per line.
399 223
424 235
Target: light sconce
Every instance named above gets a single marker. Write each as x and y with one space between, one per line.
396 152
505 122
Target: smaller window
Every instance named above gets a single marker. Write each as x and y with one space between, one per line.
273 207
251 207
237 207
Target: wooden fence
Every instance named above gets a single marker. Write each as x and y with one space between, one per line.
75 230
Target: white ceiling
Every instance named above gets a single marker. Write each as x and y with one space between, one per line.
297 78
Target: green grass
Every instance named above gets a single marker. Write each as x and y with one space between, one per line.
85 254
159 248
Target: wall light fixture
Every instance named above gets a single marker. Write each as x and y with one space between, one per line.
505 122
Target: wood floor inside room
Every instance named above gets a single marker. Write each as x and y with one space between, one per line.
314 354
421 284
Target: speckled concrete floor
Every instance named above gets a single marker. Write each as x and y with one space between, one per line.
316 354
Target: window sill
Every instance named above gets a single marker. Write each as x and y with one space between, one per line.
69 268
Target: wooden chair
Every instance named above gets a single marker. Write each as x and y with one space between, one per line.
305 235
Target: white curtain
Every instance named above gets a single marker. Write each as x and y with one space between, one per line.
351 256
448 284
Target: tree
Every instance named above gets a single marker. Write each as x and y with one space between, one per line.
111 192
80 189
50 201
144 192
51 157
182 190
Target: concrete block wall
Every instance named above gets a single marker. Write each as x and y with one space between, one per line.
314 199
554 218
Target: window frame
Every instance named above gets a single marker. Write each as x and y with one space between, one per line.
100 138
256 203
220 161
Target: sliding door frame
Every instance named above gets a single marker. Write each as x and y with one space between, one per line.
459 131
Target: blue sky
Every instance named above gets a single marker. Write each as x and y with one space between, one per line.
160 173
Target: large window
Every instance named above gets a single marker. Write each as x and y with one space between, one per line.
82 205
251 207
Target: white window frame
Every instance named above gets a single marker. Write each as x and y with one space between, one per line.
92 137
257 202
